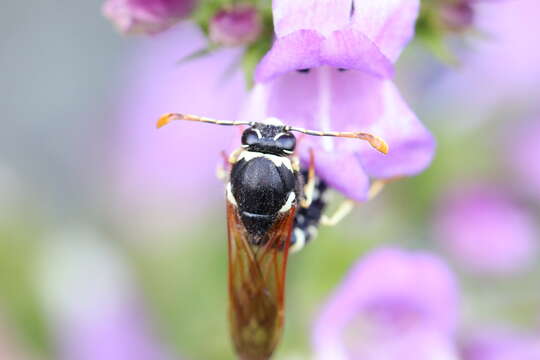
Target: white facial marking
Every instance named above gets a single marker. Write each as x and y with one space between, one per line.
272 121
258 132
300 241
230 196
287 206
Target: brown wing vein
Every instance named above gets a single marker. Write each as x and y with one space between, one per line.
257 285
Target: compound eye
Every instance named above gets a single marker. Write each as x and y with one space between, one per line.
250 137
287 142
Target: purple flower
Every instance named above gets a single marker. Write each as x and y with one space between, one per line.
361 35
501 345
502 69
323 39
484 229
164 176
393 304
92 302
146 16
238 25
523 159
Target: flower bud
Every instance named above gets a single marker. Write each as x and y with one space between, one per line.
146 16
457 15
234 26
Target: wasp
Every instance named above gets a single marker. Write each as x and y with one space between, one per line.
271 209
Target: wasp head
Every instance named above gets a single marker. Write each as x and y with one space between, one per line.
270 137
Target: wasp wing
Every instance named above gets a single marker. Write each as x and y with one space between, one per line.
257 284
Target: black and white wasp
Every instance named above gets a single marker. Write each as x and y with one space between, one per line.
271 208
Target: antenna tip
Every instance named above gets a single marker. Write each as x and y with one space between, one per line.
380 145
375 141
164 120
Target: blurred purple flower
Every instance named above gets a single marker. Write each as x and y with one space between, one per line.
457 15
393 304
146 16
523 158
485 230
322 39
237 25
170 174
92 302
501 345
502 69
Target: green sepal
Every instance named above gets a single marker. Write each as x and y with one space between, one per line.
198 54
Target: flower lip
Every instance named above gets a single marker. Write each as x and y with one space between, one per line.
303 50
348 34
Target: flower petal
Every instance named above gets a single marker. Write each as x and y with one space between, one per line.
351 49
421 344
411 145
394 291
353 183
523 149
306 49
475 217
316 33
324 16
235 26
299 50
327 99
146 16
388 23
501 344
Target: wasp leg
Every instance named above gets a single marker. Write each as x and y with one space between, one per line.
348 205
300 241
376 187
234 156
223 170
343 210
309 187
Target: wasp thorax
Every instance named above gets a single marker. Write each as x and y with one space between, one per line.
269 138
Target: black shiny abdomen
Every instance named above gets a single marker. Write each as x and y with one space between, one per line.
260 189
